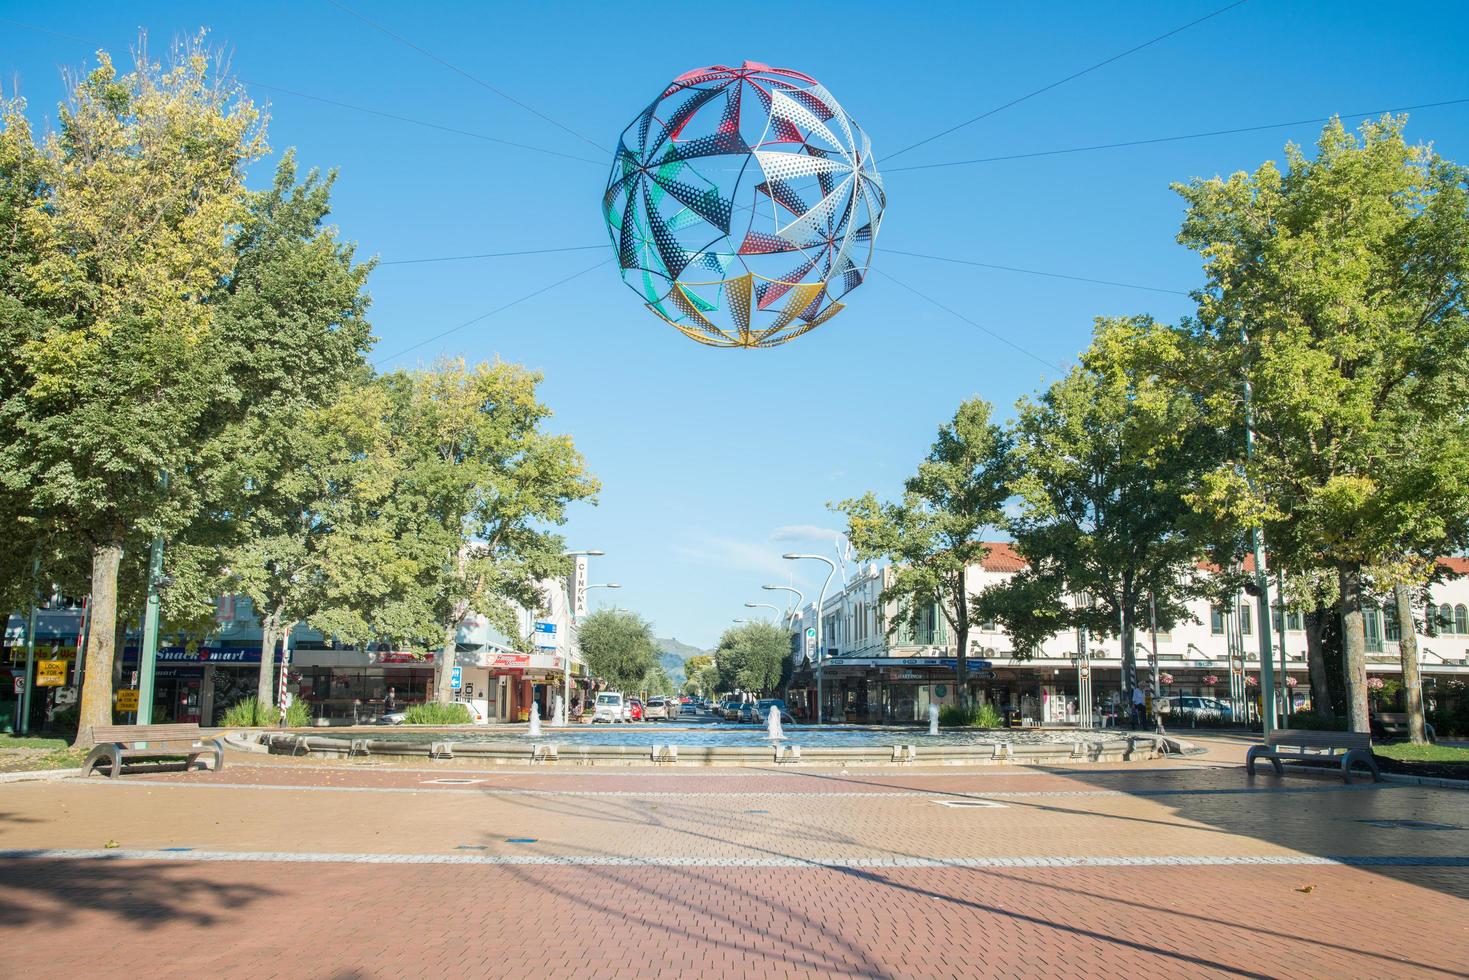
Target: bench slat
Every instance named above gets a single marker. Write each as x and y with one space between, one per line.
145 733
1319 740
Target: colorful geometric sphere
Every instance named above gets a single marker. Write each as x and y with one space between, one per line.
744 205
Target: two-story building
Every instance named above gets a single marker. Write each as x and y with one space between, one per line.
872 676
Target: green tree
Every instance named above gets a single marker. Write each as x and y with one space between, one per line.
1336 290
752 657
619 647
130 229
292 315
697 663
1108 455
935 534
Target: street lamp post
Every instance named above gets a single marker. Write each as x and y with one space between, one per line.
763 605
820 650
579 591
791 611
1083 665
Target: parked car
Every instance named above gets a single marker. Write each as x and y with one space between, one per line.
634 710
1196 709
747 712
660 708
727 709
609 708
763 706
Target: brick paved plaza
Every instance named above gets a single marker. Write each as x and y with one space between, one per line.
333 870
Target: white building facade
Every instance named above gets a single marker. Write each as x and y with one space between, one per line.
871 677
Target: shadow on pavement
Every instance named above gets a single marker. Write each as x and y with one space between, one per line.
140 895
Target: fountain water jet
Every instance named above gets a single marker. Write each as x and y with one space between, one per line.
933 719
535 719
558 711
773 730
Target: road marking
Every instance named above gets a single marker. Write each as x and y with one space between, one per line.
615 860
733 794
969 804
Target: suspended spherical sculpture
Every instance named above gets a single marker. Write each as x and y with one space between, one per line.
744 205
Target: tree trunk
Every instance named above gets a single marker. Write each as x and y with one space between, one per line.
961 667
265 681
446 663
1408 654
1354 646
1316 664
1129 651
96 705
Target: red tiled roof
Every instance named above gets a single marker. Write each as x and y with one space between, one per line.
1002 558
1459 566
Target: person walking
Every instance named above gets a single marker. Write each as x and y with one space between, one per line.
1139 700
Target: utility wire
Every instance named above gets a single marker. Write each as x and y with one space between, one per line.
979 326
478 81
345 105
888 251
485 316
420 122
1173 139
1033 272
492 255
1059 82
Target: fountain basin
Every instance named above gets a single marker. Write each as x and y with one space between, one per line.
644 745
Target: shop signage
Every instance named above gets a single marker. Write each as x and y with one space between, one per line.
127 699
396 657
510 661
579 588
545 627
50 673
204 655
950 663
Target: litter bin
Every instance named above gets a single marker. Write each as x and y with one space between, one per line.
7 716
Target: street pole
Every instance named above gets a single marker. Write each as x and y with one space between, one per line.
1157 685
30 678
1262 584
1288 705
820 649
790 610
148 655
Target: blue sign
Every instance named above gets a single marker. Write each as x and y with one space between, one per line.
456 677
545 627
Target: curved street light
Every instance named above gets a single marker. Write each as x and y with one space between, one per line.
820 652
764 605
791 612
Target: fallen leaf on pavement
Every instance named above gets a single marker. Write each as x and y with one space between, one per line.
110 844
1307 890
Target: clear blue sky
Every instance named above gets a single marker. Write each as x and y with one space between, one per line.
716 461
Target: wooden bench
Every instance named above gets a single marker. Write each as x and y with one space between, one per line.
1396 723
1296 744
119 743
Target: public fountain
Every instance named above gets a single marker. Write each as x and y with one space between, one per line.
772 724
535 719
558 711
933 719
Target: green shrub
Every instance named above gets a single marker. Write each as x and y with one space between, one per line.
974 716
64 720
1312 722
434 713
248 714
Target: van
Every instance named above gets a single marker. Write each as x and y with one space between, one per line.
609 708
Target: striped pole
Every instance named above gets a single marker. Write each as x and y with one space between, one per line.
280 697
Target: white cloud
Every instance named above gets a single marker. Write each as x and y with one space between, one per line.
732 553
805 532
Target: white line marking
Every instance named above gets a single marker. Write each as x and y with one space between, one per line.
614 860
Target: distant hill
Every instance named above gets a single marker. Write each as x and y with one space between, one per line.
672 654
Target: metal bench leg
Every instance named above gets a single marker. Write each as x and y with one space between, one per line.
116 764
93 758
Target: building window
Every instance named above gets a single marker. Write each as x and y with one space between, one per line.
1461 618
1216 621
1372 626
1293 621
988 626
1390 627
1244 618
1445 619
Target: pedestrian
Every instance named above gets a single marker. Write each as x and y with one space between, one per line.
390 702
1139 699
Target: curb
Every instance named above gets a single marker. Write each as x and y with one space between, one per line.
37 775
1439 781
